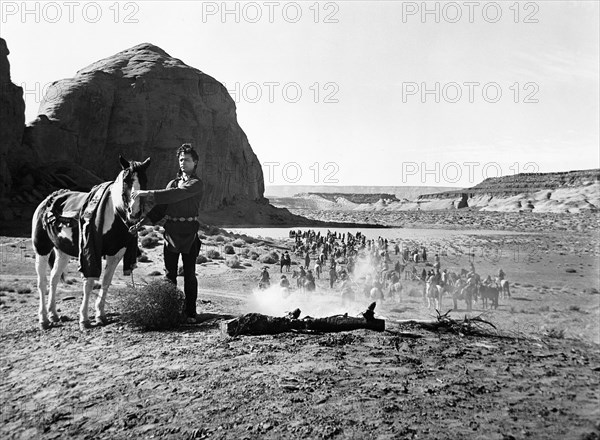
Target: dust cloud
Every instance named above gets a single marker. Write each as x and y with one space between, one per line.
275 301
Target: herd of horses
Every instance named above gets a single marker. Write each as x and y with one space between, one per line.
455 287
386 285
467 288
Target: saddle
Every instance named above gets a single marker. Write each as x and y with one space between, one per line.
67 208
54 217
83 212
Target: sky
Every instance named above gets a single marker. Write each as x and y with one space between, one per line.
374 93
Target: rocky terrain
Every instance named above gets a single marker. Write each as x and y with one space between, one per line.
12 119
572 191
534 376
568 192
140 102
144 103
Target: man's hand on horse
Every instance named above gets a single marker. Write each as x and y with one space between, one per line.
140 194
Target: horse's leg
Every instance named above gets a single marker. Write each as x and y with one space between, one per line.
428 298
109 270
84 321
42 245
41 264
59 267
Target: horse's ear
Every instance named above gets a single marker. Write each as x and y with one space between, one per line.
124 163
145 164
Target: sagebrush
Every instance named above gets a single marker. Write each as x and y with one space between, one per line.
213 254
157 305
234 262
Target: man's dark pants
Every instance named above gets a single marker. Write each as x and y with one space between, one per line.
190 281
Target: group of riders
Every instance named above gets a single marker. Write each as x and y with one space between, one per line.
343 254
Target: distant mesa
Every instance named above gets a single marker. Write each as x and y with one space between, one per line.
569 191
562 192
355 198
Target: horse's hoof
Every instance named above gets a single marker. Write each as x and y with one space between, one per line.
54 318
84 325
45 325
101 320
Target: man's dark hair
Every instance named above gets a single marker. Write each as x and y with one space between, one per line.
187 149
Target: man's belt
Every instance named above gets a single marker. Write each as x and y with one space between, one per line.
181 219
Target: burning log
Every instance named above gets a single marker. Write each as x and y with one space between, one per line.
258 324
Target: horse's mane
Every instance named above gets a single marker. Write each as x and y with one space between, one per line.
136 167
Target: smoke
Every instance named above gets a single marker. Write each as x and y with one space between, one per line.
275 301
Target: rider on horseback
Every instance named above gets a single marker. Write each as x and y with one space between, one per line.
264 279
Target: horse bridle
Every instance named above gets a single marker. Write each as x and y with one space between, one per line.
122 215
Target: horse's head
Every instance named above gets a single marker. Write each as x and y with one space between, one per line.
133 178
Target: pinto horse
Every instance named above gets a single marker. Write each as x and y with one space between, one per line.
89 226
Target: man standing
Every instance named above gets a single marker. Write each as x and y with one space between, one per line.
179 203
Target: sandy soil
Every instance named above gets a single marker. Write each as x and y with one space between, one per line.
539 380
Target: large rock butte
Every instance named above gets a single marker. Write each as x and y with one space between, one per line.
12 118
142 103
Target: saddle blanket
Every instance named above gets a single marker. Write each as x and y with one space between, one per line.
84 214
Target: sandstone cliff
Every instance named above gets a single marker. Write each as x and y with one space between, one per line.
12 118
570 191
142 103
523 183
562 192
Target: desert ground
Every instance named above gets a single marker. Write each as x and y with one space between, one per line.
535 376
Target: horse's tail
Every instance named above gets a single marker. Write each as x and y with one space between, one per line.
51 259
